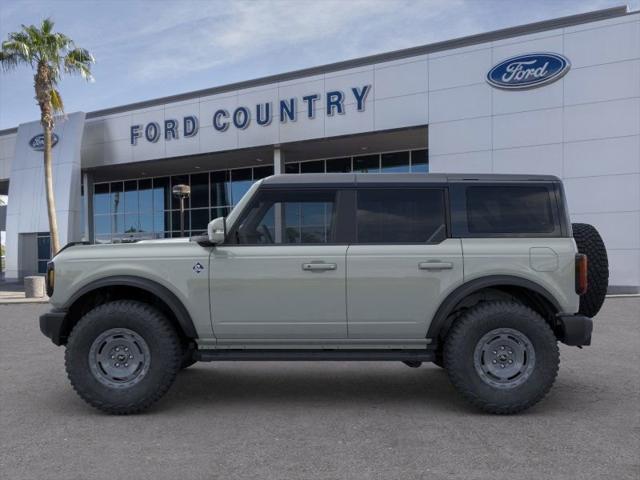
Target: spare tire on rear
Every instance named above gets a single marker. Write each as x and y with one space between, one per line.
590 243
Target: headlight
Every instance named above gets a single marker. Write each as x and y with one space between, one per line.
50 278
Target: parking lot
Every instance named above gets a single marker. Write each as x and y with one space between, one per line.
322 420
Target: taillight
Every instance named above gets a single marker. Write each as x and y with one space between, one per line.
581 274
50 278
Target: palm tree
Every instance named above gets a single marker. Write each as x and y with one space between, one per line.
49 54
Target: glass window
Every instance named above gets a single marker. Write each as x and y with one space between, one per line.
241 180
396 162
175 221
288 217
412 215
199 219
220 194
339 165
161 221
261 172
146 222
178 180
200 190
420 161
367 164
117 223
131 223
145 195
131 203
509 209
292 168
101 198
44 251
102 224
117 198
317 166
219 212
161 194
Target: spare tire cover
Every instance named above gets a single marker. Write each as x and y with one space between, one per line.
590 243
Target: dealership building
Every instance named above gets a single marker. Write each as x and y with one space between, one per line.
558 97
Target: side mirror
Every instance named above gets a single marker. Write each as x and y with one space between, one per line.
217 230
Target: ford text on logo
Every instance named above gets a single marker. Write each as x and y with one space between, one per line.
37 142
528 71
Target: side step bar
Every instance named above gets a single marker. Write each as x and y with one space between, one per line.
314 355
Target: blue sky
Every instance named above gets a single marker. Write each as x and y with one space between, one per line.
149 49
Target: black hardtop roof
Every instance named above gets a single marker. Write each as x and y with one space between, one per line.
352 179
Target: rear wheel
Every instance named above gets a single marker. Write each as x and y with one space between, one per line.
502 357
122 356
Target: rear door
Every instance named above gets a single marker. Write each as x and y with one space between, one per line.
402 264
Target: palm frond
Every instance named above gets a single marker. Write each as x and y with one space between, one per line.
79 61
56 101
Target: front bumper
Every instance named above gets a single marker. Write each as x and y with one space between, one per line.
575 330
52 325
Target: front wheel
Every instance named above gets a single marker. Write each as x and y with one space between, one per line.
502 357
122 356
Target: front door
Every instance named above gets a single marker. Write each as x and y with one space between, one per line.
282 274
402 264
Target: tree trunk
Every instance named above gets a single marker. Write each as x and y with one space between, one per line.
51 201
43 86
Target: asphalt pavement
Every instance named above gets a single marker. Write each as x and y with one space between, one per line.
325 420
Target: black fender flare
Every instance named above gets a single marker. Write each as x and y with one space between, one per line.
440 319
163 293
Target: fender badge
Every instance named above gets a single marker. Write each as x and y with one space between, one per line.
198 267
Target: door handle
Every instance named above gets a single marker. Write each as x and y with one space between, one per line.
435 265
319 267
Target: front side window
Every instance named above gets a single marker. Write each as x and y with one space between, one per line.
509 209
288 217
412 215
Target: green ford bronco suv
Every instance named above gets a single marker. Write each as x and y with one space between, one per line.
480 274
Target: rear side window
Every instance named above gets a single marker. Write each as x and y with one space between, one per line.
509 209
413 215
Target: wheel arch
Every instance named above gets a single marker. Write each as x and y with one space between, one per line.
135 288
531 293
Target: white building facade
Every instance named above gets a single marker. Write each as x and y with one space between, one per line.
559 97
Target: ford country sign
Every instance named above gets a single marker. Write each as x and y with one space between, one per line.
37 142
528 71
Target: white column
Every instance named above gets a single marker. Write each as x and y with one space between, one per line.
278 169
278 161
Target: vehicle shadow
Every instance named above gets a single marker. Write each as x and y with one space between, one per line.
262 384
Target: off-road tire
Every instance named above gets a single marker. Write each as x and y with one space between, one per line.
589 242
164 348
469 330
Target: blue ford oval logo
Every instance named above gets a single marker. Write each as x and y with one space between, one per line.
37 142
528 71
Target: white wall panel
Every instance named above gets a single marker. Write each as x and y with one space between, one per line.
602 82
304 128
399 112
601 120
459 103
603 45
619 230
345 83
607 156
539 159
456 70
624 267
212 140
352 121
403 79
615 193
460 136
527 128
546 42
470 162
548 96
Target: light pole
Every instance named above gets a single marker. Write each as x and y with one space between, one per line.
182 192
